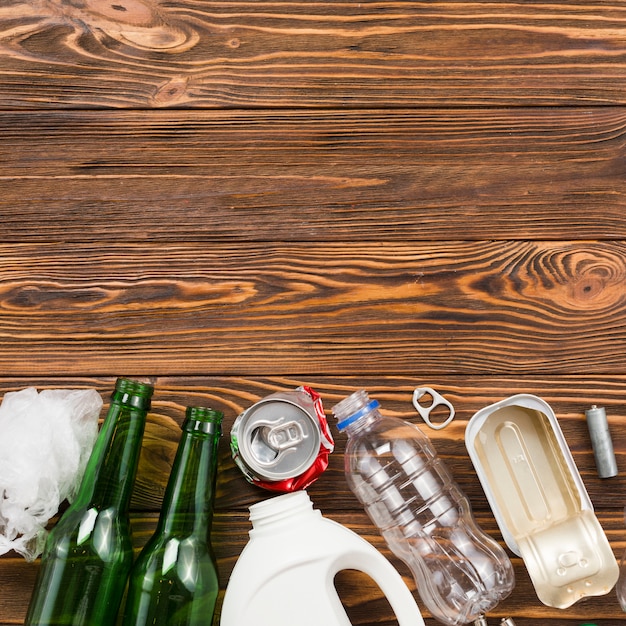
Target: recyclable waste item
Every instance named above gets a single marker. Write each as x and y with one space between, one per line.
505 621
46 438
539 500
174 580
426 520
282 442
88 553
426 408
284 575
601 442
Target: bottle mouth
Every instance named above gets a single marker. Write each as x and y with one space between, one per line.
133 393
204 414
279 508
203 419
134 387
352 408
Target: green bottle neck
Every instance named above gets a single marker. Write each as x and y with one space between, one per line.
110 473
190 493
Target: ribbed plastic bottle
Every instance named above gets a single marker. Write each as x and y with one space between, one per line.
285 574
174 580
88 554
426 520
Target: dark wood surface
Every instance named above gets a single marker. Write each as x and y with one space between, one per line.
230 199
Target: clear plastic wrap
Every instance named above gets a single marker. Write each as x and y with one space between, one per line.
45 440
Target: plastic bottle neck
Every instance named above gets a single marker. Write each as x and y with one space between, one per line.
112 466
190 493
289 510
356 413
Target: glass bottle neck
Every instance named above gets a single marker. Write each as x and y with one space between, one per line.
112 466
132 393
190 493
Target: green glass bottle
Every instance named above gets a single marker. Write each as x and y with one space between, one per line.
174 581
88 554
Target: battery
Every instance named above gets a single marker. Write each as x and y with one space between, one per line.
601 442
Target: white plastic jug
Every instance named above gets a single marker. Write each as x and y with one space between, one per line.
285 574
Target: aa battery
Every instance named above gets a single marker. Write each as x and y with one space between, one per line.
601 442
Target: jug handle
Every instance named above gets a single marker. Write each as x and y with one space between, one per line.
364 557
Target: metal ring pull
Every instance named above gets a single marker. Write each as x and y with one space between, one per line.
425 411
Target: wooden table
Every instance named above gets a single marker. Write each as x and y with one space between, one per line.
234 198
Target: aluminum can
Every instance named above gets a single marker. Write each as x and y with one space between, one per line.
282 442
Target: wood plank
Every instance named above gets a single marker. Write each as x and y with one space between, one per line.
569 396
363 308
142 53
233 198
360 595
520 173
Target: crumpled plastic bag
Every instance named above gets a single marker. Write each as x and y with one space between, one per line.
45 441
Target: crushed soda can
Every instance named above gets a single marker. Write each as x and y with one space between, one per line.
282 442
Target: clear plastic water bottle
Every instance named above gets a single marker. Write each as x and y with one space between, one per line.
424 517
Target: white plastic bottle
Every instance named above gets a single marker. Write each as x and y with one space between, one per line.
426 520
285 574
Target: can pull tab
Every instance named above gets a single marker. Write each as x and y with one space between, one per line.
437 401
271 440
285 435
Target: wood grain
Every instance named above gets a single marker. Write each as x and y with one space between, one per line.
232 198
347 176
138 53
363 308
